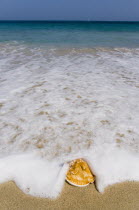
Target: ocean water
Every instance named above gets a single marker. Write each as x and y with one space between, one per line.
68 90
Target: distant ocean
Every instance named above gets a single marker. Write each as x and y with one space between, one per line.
71 34
68 90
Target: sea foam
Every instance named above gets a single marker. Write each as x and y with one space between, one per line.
60 104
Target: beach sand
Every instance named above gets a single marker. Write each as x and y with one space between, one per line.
123 196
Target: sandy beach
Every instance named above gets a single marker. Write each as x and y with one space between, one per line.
123 196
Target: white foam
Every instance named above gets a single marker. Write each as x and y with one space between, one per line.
112 165
34 175
57 105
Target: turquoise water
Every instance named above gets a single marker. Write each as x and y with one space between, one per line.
72 34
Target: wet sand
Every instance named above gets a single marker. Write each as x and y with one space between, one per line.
123 196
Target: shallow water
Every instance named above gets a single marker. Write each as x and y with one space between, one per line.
61 103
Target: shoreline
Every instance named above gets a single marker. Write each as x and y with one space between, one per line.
121 196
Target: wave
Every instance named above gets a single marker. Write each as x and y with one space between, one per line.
60 104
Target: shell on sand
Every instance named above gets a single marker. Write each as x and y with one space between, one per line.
79 173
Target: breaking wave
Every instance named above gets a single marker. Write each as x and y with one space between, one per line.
60 104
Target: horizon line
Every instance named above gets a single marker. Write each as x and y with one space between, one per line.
108 21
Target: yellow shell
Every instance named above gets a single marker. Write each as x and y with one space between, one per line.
79 173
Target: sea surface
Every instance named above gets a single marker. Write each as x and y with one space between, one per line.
68 90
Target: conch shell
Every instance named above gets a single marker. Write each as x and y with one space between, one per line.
79 173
